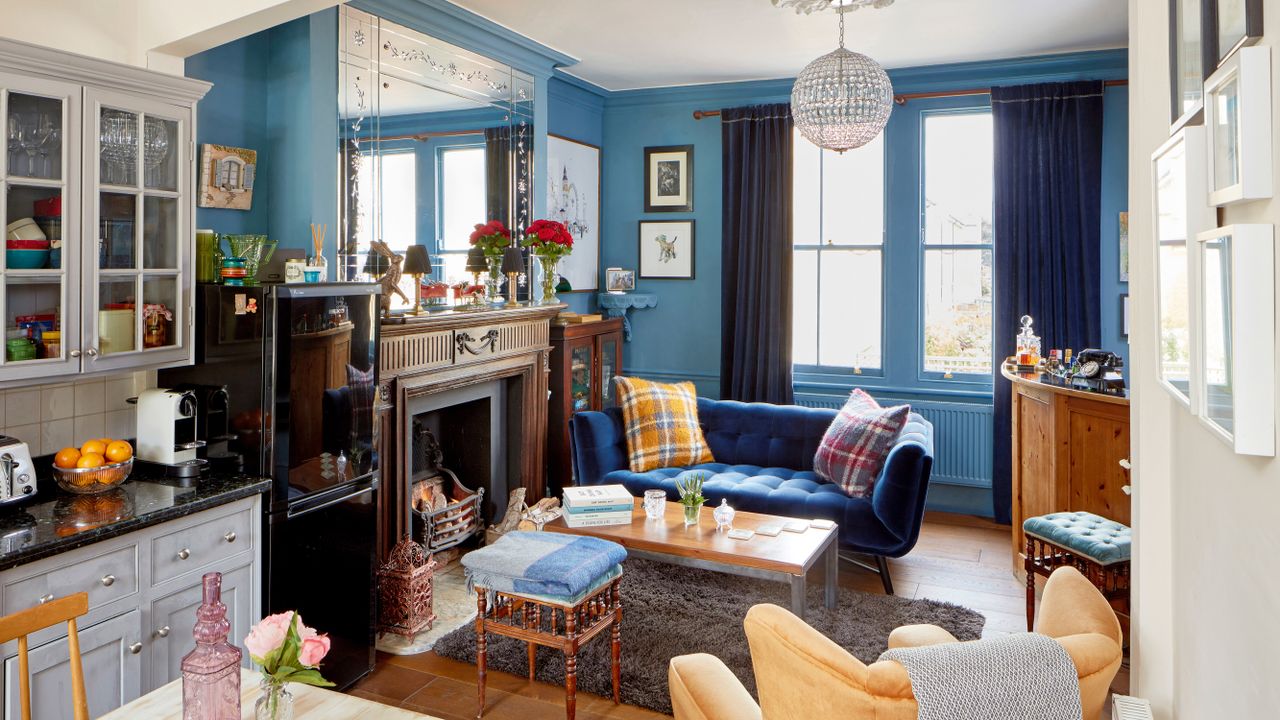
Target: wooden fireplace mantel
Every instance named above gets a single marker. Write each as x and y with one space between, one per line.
452 349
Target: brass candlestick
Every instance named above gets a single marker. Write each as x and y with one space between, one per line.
512 266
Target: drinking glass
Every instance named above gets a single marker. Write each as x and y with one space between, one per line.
655 504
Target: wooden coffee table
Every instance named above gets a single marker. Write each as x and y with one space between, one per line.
787 557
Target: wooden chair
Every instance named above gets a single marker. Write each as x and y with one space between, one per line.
24 622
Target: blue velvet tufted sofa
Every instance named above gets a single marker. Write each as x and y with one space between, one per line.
764 463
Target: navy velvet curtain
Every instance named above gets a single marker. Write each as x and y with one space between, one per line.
755 305
1048 157
497 173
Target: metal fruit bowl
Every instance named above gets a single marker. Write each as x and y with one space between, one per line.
87 481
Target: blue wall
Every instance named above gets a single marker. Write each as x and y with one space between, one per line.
1115 199
577 113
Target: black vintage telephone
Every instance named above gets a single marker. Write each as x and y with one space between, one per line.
1097 363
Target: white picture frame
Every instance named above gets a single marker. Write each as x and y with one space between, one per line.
1237 116
1236 344
1181 211
573 198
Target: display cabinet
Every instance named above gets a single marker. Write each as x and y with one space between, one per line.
97 186
584 360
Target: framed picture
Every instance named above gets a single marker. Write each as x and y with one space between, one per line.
668 179
1124 315
1192 55
1182 211
1238 23
1124 247
573 198
666 250
1235 390
618 280
226 177
1238 116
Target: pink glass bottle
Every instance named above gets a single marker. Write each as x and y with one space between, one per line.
211 672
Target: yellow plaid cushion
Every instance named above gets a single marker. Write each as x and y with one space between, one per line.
662 424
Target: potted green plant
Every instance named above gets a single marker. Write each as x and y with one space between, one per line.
690 489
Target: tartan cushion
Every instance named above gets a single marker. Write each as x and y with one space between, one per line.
662 424
854 448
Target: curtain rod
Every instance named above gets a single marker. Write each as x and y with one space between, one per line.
903 98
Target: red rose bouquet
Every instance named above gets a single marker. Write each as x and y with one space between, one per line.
492 237
548 238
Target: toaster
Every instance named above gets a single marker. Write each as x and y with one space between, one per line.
17 474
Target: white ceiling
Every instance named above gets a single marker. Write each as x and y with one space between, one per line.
626 44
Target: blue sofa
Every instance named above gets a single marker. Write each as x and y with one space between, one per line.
764 463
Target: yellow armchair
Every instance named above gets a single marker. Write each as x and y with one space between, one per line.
800 674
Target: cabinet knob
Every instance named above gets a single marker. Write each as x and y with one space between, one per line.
46 598
74 353
91 352
184 553
163 632
135 648
108 580
230 537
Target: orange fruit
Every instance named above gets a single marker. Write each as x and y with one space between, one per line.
119 451
106 440
66 457
90 460
94 447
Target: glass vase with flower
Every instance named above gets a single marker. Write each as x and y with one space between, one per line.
288 651
550 241
493 238
689 488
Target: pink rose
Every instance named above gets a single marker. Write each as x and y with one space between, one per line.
313 649
268 634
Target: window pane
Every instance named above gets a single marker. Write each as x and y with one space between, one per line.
958 179
853 195
804 309
957 311
806 191
399 200
462 196
850 320
1219 403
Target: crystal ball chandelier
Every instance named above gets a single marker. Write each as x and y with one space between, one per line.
841 100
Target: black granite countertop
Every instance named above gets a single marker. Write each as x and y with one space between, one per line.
54 521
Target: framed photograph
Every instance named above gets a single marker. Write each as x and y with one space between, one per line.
1192 56
666 250
668 179
618 280
573 198
1124 247
1235 390
1182 211
226 177
1238 116
1238 23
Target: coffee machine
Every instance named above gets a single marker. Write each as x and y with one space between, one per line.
213 427
168 434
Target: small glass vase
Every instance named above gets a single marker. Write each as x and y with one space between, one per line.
275 702
549 278
493 283
691 513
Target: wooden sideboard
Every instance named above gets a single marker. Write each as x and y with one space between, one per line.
1067 448
425 354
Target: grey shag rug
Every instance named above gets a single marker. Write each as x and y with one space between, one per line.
670 611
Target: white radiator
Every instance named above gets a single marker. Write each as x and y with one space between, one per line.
1124 707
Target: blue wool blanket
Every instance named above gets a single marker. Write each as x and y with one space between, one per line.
542 563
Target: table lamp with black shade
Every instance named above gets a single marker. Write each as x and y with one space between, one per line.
512 266
475 265
417 262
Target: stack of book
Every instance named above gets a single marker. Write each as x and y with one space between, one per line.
596 505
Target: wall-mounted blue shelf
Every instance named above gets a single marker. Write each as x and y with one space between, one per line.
617 305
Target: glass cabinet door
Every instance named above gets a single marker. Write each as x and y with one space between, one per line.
610 367
140 289
39 266
581 374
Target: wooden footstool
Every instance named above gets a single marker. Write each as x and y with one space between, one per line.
556 622
1099 548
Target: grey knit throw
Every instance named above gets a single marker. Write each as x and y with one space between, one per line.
1023 676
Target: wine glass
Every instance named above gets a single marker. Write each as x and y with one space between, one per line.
50 136
156 150
29 138
14 132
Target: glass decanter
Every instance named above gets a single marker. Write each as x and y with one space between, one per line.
1028 344
211 672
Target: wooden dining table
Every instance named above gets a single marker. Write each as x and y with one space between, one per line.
309 703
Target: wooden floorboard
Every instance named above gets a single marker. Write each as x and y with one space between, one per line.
961 559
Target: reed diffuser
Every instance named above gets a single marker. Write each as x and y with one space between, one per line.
317 261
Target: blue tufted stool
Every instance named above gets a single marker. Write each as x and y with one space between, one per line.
1092 544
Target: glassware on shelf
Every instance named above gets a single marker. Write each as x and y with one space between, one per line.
119 147
155 150
50 139
255 249
211 672
655 504
208 256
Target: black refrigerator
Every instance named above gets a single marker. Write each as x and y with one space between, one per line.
300 367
